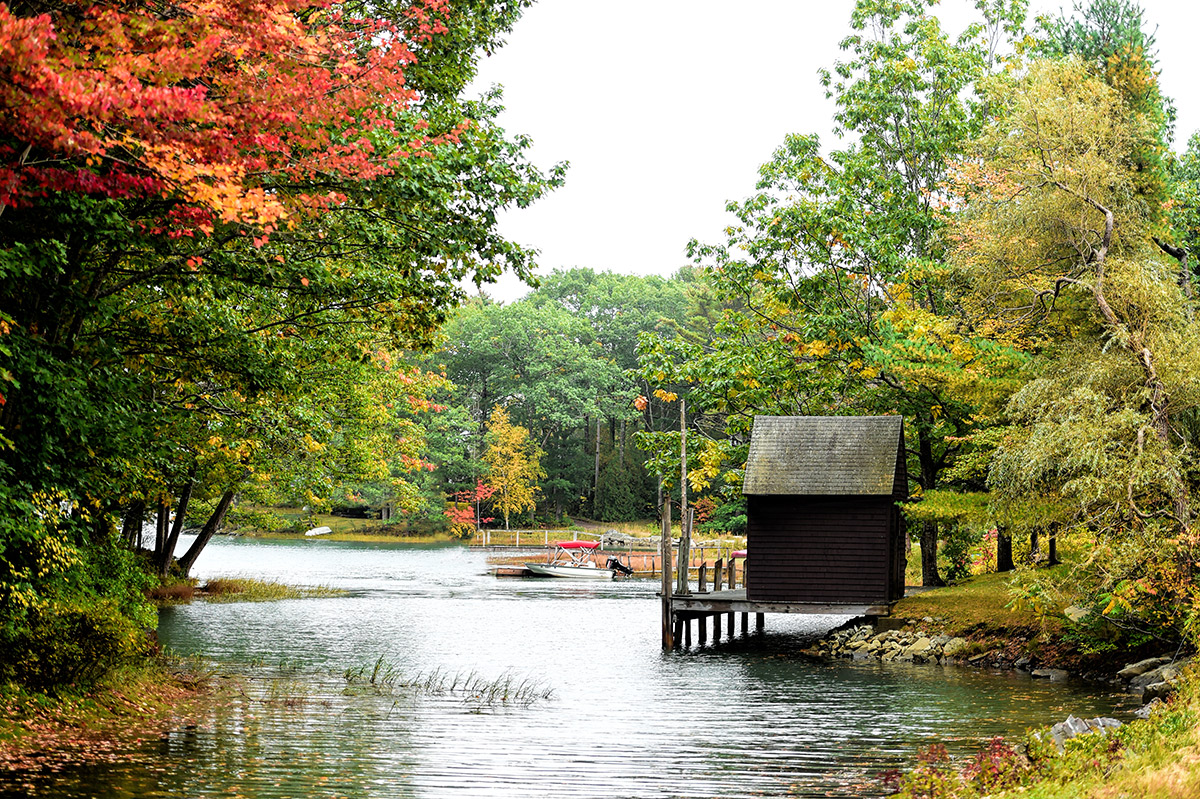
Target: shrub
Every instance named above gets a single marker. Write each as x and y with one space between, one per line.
958 545
71 644
175 592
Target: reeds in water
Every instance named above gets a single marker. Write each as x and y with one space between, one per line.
506 690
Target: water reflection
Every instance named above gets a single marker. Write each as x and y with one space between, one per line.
744 717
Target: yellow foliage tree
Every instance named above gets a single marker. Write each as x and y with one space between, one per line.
514 465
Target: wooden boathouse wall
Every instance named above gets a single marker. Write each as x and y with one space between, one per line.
822 522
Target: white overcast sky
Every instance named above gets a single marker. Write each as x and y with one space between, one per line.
666 108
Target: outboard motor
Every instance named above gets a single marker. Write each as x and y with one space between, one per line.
616 565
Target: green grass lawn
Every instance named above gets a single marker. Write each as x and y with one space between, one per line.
974 604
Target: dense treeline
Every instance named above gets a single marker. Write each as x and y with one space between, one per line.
561 365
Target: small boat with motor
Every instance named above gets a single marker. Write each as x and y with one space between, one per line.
573 559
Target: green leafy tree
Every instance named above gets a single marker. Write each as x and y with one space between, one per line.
176 328
1058 241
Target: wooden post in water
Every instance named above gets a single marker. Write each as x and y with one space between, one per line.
758 622
668 633
682 587
703 622
732 585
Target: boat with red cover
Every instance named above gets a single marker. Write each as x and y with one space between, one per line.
573 559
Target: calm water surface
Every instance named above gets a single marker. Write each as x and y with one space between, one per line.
745 717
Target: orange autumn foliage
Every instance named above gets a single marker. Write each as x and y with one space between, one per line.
225 111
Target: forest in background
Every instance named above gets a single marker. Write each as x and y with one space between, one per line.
231 278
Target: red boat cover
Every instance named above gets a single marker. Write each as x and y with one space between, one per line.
577 544
738 553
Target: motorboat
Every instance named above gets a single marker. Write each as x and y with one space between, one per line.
573 559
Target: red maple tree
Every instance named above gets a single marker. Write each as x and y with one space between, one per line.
464 510
228 111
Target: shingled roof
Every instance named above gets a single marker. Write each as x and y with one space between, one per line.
799 455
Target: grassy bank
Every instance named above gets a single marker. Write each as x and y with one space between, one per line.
1156 757
983 611
261 522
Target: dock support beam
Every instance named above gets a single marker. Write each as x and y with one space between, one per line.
668 632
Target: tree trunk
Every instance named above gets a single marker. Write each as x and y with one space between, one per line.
161 522
1034 545
596 477
131 531
206 533
1053 546
1004 559
929 543
929 530
168 551
621 460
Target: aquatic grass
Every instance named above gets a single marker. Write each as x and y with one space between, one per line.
287 692
508 689
245 589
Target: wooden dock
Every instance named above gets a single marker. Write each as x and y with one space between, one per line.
735 601
729 603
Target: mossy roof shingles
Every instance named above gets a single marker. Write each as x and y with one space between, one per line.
823 455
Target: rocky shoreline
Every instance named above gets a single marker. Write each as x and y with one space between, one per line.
1153 679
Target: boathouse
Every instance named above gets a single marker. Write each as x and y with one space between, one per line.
823 526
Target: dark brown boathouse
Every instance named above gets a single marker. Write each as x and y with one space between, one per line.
824 533
822 521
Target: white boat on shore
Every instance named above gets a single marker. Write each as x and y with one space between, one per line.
572 559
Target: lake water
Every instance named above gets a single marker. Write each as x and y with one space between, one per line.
595 708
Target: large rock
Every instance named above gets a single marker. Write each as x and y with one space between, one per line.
1145 710
955 646
1168 672
1073 725
1054 675
1141 667
1157 690
919 646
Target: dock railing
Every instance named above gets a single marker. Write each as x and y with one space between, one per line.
529 538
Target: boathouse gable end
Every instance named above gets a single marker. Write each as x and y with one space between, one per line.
822 521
